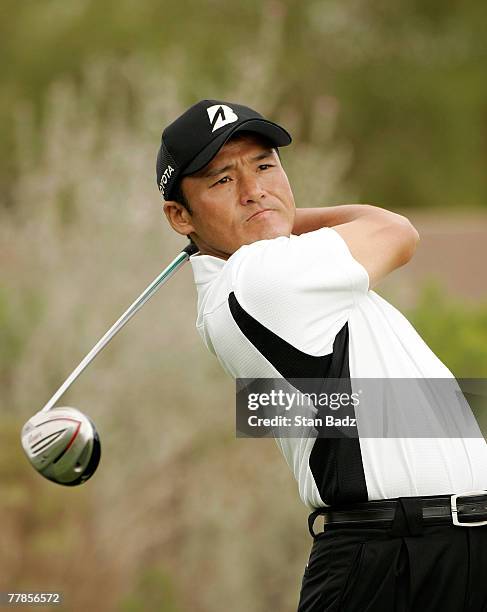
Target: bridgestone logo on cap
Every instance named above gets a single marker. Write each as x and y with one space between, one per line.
165 178
220 115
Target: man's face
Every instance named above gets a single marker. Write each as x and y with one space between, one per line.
241 196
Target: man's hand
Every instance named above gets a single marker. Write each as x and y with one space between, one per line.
378 239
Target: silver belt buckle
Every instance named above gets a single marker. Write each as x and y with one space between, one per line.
454 511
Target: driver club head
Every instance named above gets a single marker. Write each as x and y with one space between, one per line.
63 445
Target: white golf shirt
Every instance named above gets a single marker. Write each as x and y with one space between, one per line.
288 307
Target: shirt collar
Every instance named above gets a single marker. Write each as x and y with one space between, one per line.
206 268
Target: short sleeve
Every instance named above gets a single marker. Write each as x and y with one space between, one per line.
300 287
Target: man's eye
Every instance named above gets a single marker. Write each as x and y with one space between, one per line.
265 166
222 181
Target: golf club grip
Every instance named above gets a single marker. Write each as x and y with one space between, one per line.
191 249
165 275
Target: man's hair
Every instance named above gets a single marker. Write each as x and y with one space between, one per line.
178 195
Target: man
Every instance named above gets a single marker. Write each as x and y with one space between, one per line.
287 293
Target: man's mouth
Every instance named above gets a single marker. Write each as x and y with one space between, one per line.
259 212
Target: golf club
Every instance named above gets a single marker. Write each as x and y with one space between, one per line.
62 443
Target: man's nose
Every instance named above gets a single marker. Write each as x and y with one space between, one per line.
250 190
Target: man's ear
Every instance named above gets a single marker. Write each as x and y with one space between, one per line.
179 218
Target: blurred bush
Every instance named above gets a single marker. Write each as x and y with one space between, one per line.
404 80
455 331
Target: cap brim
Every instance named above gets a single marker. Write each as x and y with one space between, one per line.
275 133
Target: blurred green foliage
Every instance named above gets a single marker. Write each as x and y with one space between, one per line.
455 331
405 79
153 591
17 319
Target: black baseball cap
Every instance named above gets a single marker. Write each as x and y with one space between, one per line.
193 139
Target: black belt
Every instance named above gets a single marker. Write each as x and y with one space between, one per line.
464 510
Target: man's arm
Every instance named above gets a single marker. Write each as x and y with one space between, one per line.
378 239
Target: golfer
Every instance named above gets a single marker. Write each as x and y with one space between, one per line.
397 524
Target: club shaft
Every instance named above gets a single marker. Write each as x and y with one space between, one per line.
165 275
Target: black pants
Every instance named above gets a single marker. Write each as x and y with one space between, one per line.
409 567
